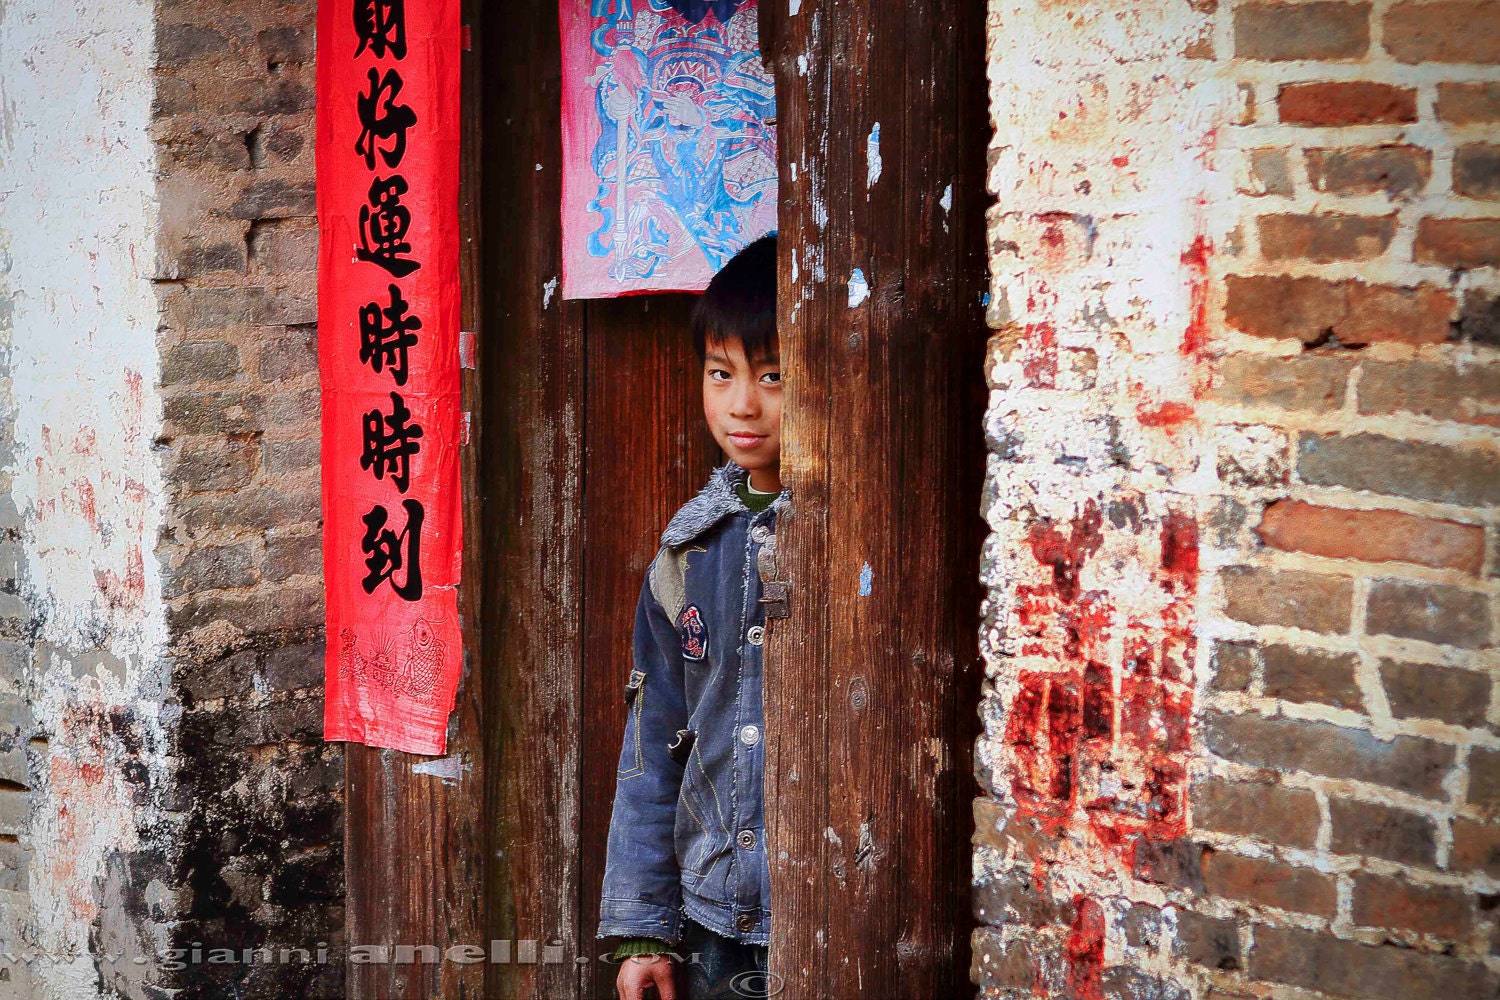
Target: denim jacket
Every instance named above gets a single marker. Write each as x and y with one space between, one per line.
687 835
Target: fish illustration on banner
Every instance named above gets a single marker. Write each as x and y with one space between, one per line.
669 143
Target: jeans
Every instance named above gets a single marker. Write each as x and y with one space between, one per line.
725 969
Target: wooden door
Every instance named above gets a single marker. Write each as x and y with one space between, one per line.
872 685
593 437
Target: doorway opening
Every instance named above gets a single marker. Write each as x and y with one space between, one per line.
588 434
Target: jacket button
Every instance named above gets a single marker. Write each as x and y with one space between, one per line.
756 635
747 839
745 923
759 533
750 735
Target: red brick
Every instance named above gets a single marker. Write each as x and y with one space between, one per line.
1278 32
1317 311
1424 691
1348 103
1311 675
1371 829
1319 961
1419 315
1266 812
1476 847
1456 31
1468 394
1372 535
1460 243
1213 942
1142 925
999 964
1466 476
1429 612
1468 103
1476 170
1013 897
1325 238
1233 665
997 826
1283 306
1269 883
1440 910
1310 382
1408 763
1484 778
1396 171
1313 601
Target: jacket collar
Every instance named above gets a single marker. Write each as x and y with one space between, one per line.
714 502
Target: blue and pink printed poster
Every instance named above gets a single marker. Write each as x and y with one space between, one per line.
669 143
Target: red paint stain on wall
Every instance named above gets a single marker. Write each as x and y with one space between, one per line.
1164 415
1195 259
1098 747
1085 950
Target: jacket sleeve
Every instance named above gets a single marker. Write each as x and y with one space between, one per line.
642 894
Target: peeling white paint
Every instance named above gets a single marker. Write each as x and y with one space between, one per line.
794 7
78 194
859 289
873 163
547 290
450 769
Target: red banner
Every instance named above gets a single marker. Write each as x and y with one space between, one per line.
388 318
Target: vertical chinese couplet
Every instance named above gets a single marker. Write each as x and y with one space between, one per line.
669 142
388 317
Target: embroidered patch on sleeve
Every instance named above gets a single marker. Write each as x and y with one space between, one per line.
694 633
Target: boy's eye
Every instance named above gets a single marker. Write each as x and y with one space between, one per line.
771 378
719 375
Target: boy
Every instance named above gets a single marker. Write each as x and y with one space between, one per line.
686 869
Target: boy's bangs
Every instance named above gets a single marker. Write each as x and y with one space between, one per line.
740 303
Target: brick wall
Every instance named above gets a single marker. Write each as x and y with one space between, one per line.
1240 726
262 841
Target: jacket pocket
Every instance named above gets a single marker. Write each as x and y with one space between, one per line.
632 754
701 832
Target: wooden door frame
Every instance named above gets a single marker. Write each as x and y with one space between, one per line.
884 451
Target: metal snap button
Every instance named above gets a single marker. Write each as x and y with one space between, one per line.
750 735
756 635
746 922
747 839
759 533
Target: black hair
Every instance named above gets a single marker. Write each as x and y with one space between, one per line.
740 303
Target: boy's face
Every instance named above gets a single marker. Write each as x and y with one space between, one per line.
742 404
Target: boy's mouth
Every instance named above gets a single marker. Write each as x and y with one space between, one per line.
744 439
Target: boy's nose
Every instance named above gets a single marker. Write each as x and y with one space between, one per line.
746 402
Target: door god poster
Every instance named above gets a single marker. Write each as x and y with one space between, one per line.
388 318
669 143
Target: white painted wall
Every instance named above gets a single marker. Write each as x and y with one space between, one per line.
77 217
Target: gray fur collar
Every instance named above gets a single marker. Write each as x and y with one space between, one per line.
713 503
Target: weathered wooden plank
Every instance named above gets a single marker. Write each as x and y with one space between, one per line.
531 482
796 692
883 410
